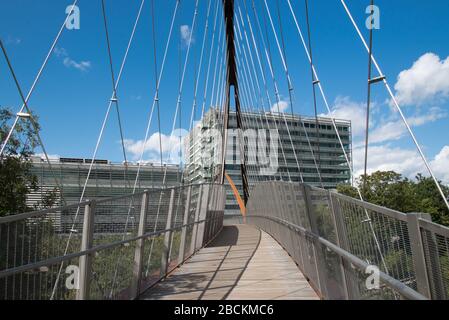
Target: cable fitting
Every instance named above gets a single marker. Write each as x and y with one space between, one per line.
376 80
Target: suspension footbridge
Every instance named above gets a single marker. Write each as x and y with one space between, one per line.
291 240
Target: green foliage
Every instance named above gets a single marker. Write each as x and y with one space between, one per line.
16 178
392 190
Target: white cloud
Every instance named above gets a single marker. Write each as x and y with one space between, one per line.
346 109
60 52
13 40
426 81
171 147
186 35
405 161
381 130
82 65
440 165
395 130
282 106
385 158
68 62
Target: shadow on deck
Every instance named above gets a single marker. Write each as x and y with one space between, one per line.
241 263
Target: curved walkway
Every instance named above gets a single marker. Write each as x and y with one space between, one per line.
242 263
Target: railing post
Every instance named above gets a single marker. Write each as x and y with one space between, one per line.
86 260
202 216
318 252
222 204
195 225
167 237
182 245
340 238
343 241
138 252
416 244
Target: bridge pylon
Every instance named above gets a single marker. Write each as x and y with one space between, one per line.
232 82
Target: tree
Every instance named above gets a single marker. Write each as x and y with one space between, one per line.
429 200
392 190
17 180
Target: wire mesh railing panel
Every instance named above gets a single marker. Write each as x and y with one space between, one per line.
359 290
30 240
152 255
337 240
435 241
320 209
379 240
194 206
175 242
158 206
112 273
118 216
39 283
106 246
333 282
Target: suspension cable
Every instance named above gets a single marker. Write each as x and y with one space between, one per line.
115 98
33 122
100 136
336 130
270 65
395 102
262 114
370 53
257 49
248 85
38 76
326 103
156 72
314 83
174 121
289 82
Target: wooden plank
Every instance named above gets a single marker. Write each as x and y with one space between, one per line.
242 263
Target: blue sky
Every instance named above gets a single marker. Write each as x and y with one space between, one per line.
73 94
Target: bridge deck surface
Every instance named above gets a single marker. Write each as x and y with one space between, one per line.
242 263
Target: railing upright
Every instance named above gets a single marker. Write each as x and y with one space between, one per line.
182 245
202 216
416 244
317 249
138 253
85 261
196 219
167 238
341 238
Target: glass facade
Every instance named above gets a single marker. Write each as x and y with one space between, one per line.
293 151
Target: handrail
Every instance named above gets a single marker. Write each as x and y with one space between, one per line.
38 213
311 222
192 215
68 257
397 285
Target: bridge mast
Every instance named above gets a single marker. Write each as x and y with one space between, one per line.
232 81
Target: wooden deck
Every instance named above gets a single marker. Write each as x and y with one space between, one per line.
242 263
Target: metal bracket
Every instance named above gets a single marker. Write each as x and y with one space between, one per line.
376 80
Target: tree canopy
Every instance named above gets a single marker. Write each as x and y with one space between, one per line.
17 179
392 190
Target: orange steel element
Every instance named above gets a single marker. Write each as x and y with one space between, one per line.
237 195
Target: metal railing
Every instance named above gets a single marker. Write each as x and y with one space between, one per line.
106 249
338 242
